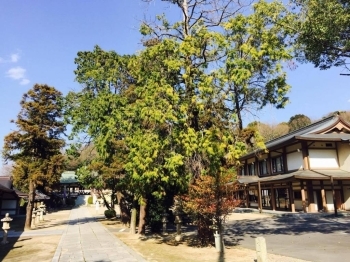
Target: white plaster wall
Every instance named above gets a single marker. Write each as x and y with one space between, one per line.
323 158
344 156
295 161
298 204
329 200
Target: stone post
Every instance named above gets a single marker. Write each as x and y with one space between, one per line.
6 226
261 252
37 216
178 223
42 211
33 219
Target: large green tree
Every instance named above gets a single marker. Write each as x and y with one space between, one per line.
216 58
35 147
298 121
323 32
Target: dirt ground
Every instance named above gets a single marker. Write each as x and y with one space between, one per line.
31 249
155 248
34 248
159 248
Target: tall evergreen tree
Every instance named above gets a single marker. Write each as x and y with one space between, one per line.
35 147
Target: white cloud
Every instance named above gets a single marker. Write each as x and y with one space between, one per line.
15 58
16 72
24 81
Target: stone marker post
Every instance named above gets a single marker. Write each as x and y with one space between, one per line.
6 226
261 253
33 219
37 217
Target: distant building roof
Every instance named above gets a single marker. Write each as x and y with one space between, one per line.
68 177
323 130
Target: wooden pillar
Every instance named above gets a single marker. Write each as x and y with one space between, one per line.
305 153
285 163
310 196
303 201
334 200
323 195
247 196
291 197
259 197
273 198
342 194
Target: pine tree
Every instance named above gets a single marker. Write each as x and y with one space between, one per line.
35 146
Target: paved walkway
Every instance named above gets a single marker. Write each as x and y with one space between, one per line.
85 239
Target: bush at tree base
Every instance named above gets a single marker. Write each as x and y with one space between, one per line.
90 200
208 201
110 213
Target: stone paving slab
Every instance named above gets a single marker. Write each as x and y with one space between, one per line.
85 239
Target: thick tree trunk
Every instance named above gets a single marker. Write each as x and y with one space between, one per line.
133 220
124 211
30 206
142 221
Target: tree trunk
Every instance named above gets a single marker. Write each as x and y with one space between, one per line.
125 211
133 220
142 220
30 206
105 201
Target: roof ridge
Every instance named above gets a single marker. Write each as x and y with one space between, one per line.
305 127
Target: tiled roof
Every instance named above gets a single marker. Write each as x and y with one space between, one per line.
68 177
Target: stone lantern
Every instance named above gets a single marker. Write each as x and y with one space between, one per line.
6 226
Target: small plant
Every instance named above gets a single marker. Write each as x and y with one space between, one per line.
90 200
110 213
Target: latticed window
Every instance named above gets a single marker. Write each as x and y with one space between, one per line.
263 167
277 164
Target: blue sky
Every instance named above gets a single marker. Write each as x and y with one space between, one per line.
40 39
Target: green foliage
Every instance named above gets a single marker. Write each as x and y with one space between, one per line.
172 113
110 213
298 121
323 32
90 200
35 146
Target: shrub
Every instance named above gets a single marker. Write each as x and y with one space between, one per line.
110 213
90 200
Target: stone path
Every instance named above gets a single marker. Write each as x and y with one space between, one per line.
86 240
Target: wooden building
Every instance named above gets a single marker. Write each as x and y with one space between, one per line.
306 170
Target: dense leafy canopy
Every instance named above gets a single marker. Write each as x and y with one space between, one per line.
324 32
35 147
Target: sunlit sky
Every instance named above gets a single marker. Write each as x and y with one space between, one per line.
40 39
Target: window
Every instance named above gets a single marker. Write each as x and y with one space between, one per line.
277 164
251 169
263 167
242 171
